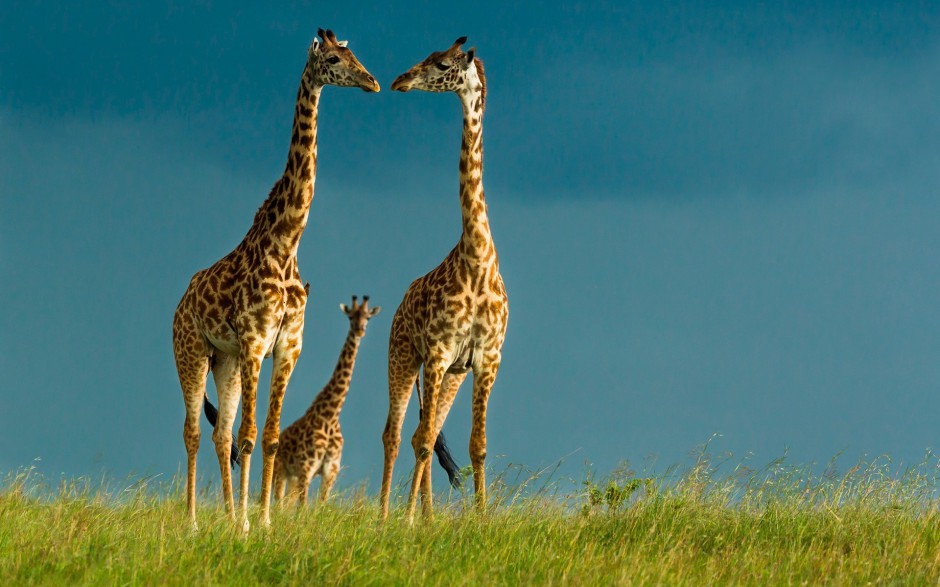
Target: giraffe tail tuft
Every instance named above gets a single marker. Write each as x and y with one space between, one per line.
212 415
447 461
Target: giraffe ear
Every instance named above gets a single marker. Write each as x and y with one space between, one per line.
344 308
314 46
470 53
342 43
375 311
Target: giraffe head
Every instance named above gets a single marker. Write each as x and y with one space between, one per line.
329 62
445 71
359 315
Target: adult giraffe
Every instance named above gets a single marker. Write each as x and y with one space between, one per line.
250 304
452 320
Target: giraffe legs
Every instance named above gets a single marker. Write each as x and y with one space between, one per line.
403 365
482 385
291 490
303 488
449 386
191 436
423 439
250 365
284 361
192 364
226 376
279 484
328 472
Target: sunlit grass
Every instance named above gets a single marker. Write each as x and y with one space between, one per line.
716 522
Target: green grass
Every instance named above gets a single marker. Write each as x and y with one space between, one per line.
712 524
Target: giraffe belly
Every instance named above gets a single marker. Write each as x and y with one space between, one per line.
225 339
227 345
463 357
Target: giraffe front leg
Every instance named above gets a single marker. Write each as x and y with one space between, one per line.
423 439
482 385
330 470
403 368
284 361
250 365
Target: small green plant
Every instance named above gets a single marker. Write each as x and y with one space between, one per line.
613 496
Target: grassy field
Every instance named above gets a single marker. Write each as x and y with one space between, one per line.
713 523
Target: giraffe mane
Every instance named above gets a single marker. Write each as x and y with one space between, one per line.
482 75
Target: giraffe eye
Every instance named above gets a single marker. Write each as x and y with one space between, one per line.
333 60
442 66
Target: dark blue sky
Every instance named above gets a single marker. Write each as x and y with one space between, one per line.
711 217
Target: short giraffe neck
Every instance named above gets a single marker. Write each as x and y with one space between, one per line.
476 242
334 394
281 220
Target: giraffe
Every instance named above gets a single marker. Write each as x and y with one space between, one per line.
452 320
313 445
250 304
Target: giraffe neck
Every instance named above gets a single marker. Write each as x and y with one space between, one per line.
476 242
334 394
281 220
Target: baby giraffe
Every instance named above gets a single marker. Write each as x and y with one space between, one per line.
313 444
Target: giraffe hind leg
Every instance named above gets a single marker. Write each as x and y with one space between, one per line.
249 365
482 385
279 484
226 375
190 352
423 439
449 387
285 358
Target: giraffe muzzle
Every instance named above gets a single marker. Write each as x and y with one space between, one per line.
370 85
402 83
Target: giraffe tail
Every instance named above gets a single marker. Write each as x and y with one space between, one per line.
212 414
447 461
